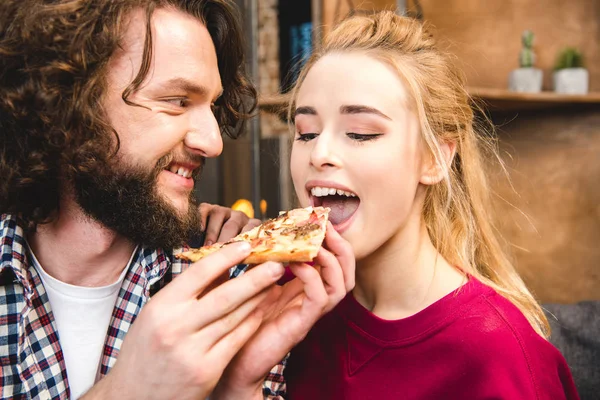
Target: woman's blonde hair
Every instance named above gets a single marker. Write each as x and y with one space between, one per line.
456 211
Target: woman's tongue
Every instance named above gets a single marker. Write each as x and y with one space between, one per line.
342 207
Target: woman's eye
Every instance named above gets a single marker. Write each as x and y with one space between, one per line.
363 138
305 137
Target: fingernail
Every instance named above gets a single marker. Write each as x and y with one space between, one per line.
276 269
244 246
208 242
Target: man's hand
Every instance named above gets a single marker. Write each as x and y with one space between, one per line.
187 333
222 223
290 311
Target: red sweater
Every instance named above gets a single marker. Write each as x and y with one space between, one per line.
471 344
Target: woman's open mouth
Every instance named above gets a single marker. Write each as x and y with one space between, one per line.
343 204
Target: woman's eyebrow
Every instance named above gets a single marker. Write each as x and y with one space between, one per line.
360 109
305 110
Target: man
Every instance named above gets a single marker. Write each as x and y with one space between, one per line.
108 110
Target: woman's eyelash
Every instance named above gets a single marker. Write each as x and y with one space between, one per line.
362 138
305 137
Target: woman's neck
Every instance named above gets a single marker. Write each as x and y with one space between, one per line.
405 275
78 250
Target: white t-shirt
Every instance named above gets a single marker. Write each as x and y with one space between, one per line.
82 315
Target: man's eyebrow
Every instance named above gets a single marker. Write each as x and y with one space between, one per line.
188 86
305 110
360 109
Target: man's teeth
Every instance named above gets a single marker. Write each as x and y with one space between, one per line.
324 191
186 173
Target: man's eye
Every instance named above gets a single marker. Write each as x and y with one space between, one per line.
305 137
178 101
363 138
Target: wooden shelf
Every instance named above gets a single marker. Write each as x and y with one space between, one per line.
501 100
494 100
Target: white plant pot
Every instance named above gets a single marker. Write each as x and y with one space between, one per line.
528 80
571 81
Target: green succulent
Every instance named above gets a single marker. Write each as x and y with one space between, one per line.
527 56
569 57
527 39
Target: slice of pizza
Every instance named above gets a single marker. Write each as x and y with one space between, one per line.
294 236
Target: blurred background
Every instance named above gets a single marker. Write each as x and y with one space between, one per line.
549 137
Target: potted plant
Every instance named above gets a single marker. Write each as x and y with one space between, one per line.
526 78
570 76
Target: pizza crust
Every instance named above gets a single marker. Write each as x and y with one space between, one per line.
282 257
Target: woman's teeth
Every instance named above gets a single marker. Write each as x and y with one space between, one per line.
186 173
324 191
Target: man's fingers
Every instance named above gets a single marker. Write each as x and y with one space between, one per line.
216 330
221 279
201 274
221 354
343 252
233 293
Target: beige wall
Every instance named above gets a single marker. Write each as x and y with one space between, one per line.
485 35
553 156
552 217
553 222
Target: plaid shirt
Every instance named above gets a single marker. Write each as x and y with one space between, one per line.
31 360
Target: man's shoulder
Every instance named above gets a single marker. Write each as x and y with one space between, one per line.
10 226
13 247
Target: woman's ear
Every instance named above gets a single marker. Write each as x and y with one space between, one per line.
433 172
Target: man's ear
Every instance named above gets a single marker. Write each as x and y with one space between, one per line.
432 172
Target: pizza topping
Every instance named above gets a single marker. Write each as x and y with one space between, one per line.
314 218
301 231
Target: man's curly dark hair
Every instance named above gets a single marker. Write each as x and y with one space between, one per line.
53 60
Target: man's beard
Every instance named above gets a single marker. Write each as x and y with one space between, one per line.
125 199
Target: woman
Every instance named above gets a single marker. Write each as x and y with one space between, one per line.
386 137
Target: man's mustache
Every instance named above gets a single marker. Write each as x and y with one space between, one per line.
186 158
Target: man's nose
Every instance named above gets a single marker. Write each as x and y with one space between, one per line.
204 137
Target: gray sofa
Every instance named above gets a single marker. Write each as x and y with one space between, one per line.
576 333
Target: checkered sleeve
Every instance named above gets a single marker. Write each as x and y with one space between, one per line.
274 386
238 270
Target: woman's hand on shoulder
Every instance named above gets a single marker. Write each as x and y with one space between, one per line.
222 223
